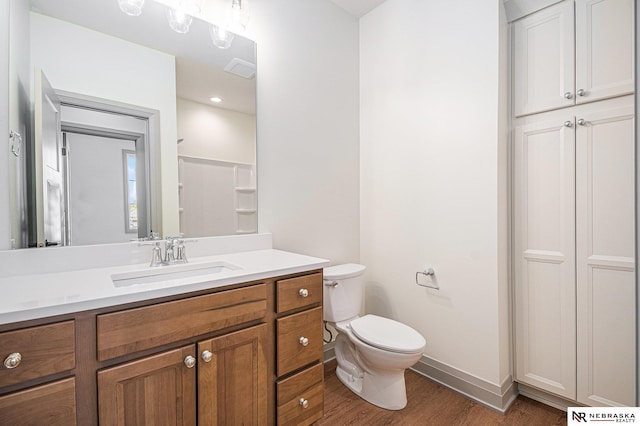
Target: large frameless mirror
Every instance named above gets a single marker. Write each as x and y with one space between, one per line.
128 125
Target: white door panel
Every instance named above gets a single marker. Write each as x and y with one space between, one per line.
605 257
604 49
545 262
543 54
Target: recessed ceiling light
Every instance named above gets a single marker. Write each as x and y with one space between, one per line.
215 99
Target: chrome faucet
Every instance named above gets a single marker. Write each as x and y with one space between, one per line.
156 255
169 256
174 252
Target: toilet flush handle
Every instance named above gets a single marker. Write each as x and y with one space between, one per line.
331 283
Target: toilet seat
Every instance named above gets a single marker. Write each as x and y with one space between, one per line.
387 334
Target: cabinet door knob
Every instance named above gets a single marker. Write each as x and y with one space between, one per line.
303 292
304 341
206 356
568 95
568 123
582 122
581 92
190 361
304 403
13 360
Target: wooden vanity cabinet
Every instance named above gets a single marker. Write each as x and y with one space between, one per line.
299 346
233 378
35 354
216 381
222 356
53 404
158 389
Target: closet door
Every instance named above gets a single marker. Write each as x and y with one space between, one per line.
543 55
605 258
544 213
604 49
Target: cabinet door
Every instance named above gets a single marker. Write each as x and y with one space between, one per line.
545 256
543 55
605 258
604 49
53 404
157 390
232 379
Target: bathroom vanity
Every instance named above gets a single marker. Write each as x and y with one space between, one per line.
230 346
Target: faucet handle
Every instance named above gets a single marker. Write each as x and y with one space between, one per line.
156 255
169 254
182 252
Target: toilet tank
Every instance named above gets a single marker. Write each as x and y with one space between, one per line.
344 300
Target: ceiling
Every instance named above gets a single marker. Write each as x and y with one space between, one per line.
199 65
358 8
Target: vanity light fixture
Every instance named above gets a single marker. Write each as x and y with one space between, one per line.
180 13
238 15
181 16
221 37
236 22
215 99
131 7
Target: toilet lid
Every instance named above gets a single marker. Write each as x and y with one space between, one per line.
387 334
340 272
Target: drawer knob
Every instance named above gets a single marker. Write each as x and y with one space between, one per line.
568 95
304 403
303 292
304 341
190 361
206 356
581 92
13 360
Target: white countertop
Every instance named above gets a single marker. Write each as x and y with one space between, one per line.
27 297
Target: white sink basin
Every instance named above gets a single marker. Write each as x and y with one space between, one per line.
171 272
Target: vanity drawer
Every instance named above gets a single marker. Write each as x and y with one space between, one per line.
42 350
293 353
298 292
300 390
53 404
133 330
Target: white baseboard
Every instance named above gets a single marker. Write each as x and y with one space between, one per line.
498 398
547 398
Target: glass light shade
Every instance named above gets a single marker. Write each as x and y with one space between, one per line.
238 17
179 21
181 16
131 7
222 38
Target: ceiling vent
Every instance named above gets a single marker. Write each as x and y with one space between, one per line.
241 68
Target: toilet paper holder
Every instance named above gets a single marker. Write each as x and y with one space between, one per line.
429 272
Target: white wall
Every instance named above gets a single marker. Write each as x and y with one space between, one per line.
80 68
307 99
20 80
5 216
216 133
431 191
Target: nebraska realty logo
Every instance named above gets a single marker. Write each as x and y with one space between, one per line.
582 415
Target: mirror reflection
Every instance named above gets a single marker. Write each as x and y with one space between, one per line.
124 127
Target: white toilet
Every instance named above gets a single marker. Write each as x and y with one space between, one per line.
372 351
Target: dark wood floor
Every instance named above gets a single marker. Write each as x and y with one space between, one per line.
428 404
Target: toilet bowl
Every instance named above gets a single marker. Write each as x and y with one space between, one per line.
372 352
